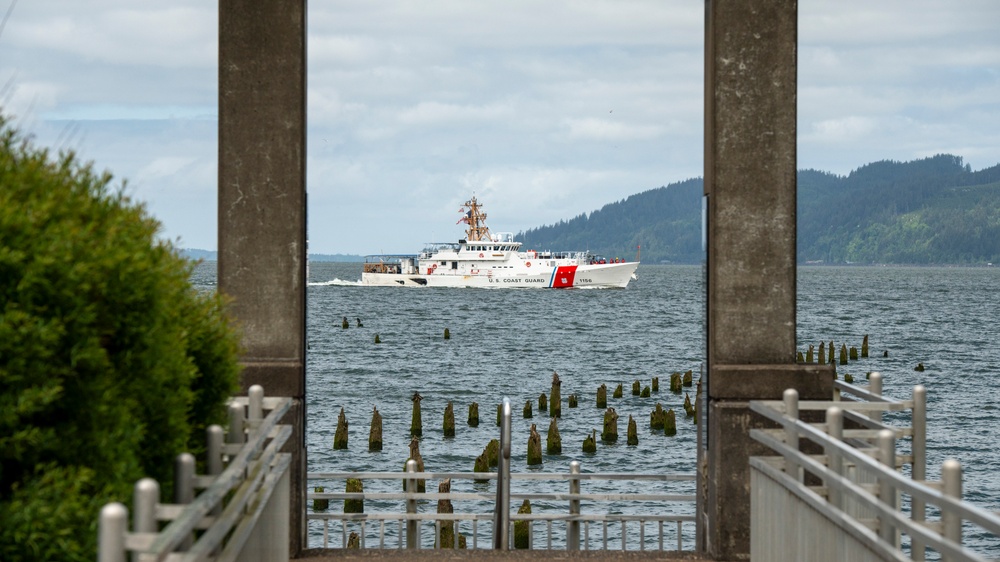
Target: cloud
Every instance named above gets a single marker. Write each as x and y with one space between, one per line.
609 130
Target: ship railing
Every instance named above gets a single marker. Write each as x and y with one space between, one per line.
608 512
242 509
838 489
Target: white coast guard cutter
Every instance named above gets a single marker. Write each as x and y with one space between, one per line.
482 259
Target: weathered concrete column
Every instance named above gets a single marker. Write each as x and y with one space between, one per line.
262 204
750 167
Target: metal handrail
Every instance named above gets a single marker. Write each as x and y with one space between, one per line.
231 503
879 497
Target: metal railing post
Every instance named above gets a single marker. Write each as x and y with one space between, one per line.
255 409
918 447
501 516
875 387
184 485
214 438
237 419
791 400
573 526
112 526
145 496
835 429
887 492
412 525
951 485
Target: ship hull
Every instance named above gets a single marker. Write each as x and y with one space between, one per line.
593 276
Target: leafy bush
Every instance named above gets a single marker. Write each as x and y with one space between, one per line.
110 362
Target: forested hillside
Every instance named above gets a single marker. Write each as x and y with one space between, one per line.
930 211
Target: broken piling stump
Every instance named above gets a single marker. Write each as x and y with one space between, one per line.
354 486
618 391
449 420
527 410
340 436
633 432
534 447
602 396
415 455
670 423
447 537
553 441
522 533
416 423
555 397
474 414
590 443
610 433
375 434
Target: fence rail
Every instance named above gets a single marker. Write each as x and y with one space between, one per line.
488 518
572 509
242 512
835 487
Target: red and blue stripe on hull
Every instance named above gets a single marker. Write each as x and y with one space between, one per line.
563 277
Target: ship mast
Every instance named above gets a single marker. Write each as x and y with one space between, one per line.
476 219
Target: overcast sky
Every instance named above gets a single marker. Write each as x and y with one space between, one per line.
543 109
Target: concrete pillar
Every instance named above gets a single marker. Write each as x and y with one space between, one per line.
262 205
750 167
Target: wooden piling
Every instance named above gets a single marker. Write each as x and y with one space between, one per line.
590 443
853 353
340 436
645 393
375 433
493 452
843 354
526 413
688 406
320 504
610 433
633 432
656 417
474 414
522 537
534 447
670 423
830 352
555 397
543 403
656 384
572 400
447 537
676 382
449 420
688 378
416 422
345 324
618 391
864 346
482 464
447 334
636 387
354 486
553 441
415 455
354 541
602 396
809 354
378 339
822 353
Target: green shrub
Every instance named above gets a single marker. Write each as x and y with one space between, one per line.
110 362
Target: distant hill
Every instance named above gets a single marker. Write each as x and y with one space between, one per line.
930 211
